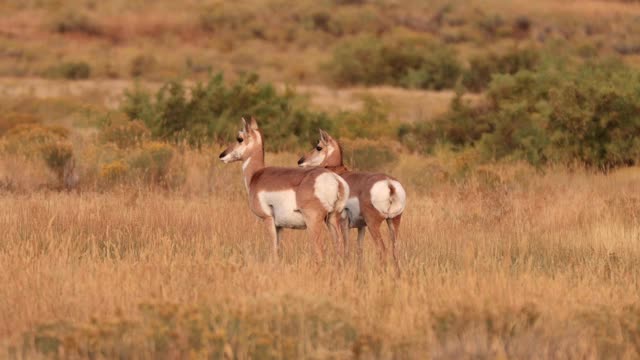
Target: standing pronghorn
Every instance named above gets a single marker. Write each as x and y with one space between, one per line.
288 197
374 197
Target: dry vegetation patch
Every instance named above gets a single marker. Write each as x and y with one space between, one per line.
512 267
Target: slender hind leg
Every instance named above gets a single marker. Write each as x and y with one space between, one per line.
373 223
394 229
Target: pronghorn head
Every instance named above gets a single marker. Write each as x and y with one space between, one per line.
248 142
326 153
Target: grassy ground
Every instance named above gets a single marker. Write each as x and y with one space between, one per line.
542 266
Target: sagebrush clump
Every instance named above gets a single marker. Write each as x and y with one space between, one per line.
125 135
482 67
588 115
71 70
399 61
210 112
49 144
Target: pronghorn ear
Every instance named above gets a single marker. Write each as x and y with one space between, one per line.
253 123
324 136
246 127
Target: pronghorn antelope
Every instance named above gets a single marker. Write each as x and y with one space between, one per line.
373 198
288 197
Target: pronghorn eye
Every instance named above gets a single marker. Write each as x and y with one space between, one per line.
319 148
240 139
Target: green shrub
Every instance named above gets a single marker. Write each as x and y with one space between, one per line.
27 139
359 61
152 160
595 118
588 115
350 2
481 68
211 112
407 62
461 126
74 22
237 19
491 24
265 329
48 143
56 155
368 155
70 70
113 172
369 123
141 65
125 135
353 21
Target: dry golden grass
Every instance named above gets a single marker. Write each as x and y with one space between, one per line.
542 266
404 105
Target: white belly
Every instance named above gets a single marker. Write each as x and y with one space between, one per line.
283 207
353 211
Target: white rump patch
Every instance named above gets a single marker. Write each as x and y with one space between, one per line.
388 205
283 207
326 190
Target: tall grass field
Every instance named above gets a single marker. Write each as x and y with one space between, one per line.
514 127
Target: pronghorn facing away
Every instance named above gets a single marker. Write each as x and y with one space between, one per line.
288 197
373 198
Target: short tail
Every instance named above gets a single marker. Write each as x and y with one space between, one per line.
389 198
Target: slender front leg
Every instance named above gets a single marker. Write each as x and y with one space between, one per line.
373 223
274 233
